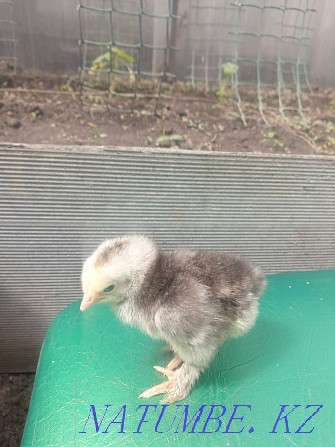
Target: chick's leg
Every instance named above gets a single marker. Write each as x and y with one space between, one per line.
178 386
162 387
175 362
184 380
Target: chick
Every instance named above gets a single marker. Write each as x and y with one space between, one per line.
191 299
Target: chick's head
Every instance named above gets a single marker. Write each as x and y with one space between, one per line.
101 284
113 268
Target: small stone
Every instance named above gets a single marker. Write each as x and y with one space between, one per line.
12 442
12 122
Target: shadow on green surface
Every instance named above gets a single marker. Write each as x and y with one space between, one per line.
245 358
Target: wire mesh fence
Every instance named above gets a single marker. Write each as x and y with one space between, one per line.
209 40
130 48
278 34
8 57
125 47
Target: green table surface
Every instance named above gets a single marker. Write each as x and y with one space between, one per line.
92 366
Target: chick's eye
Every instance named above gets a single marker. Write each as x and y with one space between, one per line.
109 288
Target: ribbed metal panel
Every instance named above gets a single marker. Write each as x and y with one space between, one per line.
58 203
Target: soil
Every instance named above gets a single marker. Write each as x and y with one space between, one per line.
15 392
40 108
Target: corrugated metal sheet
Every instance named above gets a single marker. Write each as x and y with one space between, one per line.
58 203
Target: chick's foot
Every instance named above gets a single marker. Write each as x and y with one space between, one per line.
162 387
175 362
177 387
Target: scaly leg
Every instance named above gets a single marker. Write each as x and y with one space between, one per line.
175 362
178 386
162 387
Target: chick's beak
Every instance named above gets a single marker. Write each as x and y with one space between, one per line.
86 302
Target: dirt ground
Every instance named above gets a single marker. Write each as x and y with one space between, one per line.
15 392
39 108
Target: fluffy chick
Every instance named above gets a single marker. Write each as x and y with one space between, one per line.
191 299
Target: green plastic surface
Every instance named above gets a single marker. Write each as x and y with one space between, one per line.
288 358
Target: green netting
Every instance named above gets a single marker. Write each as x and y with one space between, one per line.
209 40
138 35
7 36
289 32
267 41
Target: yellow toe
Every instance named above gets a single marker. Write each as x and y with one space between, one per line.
157 389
